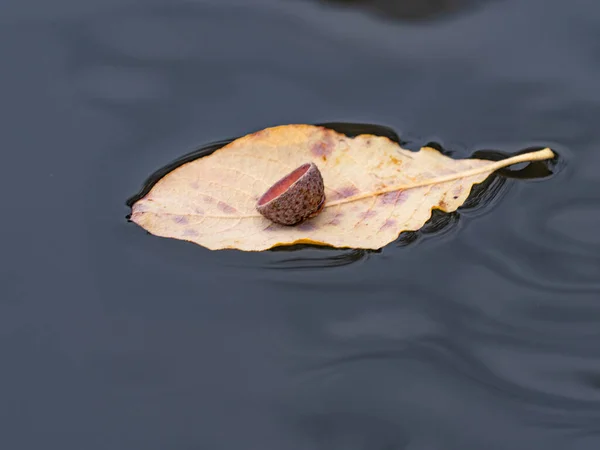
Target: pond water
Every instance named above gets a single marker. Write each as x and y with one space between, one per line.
480 331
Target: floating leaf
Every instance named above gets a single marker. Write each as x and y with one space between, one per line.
374 190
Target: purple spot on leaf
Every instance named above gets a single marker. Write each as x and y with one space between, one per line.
389 223
226 208
345 192
393 198
389 198
181 220
323 147
368 214
307 226
336 219
190 233
194 185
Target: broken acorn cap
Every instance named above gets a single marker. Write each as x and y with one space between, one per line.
294 198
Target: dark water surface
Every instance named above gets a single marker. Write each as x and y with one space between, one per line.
481 332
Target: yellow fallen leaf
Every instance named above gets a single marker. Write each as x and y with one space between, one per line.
374 190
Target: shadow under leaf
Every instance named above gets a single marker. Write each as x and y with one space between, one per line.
410 10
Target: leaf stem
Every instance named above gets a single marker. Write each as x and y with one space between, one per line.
539 155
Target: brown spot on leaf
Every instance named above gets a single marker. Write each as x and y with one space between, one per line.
443 205
457 191
395 160
226 208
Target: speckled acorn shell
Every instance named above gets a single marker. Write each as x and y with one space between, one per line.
298 201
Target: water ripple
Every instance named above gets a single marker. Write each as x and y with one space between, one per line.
571 262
